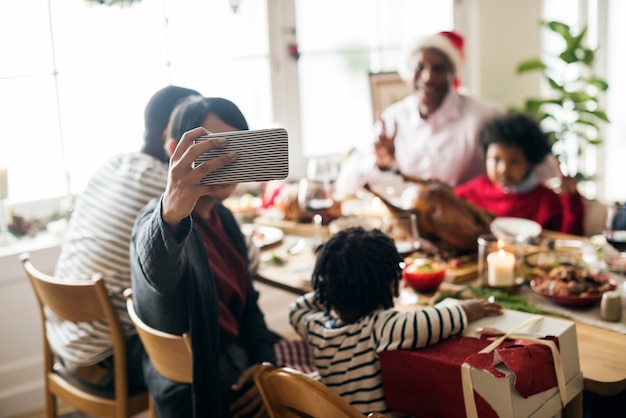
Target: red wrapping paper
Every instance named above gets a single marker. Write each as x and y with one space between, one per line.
427 382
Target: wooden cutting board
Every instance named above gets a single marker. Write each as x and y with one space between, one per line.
462 274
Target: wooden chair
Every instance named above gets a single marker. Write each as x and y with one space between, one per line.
78 301
170 354
289 393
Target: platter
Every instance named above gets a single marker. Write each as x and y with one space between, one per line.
519 229
542 286
540 263
263 236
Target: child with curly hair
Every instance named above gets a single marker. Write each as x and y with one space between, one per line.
514 144
350 317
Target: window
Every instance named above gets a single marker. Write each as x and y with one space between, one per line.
75 76
340 49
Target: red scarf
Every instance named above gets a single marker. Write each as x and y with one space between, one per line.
229 271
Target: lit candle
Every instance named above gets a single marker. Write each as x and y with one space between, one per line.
376 209
501 266
4 183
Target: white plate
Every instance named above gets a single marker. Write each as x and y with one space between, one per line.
262 236
515 228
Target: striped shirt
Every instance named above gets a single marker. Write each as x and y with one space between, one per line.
98 242
346 355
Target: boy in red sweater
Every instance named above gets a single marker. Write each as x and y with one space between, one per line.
513 144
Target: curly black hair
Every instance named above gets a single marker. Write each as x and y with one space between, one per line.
357 271
516 129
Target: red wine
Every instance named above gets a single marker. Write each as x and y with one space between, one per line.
617 239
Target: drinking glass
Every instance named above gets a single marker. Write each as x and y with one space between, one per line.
406 237
405 233
615 233
316 190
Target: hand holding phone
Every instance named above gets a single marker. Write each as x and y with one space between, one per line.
262 155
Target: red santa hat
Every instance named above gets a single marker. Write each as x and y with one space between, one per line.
449 43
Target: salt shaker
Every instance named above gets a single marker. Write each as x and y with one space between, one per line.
611 306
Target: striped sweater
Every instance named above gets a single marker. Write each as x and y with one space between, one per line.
98 241
346 355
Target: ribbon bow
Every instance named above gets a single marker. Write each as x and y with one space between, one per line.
468 388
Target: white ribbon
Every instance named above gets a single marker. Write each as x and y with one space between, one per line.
466 377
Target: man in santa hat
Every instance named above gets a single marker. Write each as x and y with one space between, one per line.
431 133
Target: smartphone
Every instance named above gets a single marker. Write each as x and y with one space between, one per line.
262 155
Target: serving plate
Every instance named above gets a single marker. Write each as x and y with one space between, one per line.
263 236
507 228
540 263
538 285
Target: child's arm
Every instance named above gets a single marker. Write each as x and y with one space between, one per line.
302 310
420 328
427 326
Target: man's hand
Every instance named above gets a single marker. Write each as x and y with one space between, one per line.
248 403
384 147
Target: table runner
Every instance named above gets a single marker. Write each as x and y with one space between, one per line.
586 315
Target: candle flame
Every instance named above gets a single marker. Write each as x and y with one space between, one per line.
500 244
501 253
376 202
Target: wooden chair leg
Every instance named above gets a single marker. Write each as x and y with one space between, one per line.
151 412
51 405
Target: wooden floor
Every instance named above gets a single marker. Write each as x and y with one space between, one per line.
273 302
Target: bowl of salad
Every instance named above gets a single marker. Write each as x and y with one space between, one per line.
423 274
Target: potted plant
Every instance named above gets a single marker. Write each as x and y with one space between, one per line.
572 114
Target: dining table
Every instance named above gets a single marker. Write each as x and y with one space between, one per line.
601 345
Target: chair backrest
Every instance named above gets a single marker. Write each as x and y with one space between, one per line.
289 393
82 301
594 217
170 354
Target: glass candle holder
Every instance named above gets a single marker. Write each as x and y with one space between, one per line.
488 244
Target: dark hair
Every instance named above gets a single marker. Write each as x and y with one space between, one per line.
357 270
517 129
192 112
156 117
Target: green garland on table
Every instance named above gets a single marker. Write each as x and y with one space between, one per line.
508 301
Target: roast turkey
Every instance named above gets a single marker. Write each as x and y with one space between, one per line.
450 223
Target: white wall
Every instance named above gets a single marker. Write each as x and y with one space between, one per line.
500 34
21 361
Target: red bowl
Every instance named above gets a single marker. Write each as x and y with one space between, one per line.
424 281
573 300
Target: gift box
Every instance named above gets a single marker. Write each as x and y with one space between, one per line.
514 365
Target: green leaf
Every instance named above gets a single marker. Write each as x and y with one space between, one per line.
569 56
587 123
579 96
530 65
560 28
588 57
600 114
598 83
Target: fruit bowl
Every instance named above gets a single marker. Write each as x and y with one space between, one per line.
424 275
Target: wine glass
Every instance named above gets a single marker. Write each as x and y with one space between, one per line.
406 237
615 233
315 191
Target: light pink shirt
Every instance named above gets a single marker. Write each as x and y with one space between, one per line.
443 146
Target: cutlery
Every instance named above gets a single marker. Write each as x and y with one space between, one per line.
296 247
